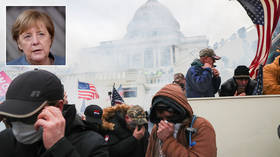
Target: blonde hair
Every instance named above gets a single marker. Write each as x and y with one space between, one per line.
30 18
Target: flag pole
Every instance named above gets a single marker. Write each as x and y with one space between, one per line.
111 94
83 107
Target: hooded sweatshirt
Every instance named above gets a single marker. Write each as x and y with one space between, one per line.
271 77
205 137
200 82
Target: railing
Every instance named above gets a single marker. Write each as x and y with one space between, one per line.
245 126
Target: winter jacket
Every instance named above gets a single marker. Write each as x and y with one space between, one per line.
77 141
230 86
179 147
120 139
200 82
271 77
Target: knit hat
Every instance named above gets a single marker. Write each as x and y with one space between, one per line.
241 72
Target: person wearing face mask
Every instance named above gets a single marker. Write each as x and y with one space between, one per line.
177 131
240 84
202 78
127 133
41 124
33 31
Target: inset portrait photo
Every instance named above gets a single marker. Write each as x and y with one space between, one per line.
35 35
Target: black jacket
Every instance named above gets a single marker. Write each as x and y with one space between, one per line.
229 87
78 142
121 141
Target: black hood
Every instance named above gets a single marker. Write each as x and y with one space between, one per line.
180 112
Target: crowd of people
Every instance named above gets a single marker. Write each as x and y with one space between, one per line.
40 122
203 79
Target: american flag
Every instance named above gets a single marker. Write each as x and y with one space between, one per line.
116 98
120 91
87 91
264 14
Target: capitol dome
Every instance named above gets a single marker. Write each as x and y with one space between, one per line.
152 19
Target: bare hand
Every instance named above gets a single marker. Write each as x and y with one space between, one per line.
83 117
139 134
215 72
65 99
53 124
165 129
206 65
240 94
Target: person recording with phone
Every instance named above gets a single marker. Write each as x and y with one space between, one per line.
126 130
240 84
177 131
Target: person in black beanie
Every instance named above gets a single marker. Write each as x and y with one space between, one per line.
240 84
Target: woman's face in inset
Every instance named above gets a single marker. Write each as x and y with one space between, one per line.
36 42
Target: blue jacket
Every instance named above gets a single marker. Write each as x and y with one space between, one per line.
22 60
200 82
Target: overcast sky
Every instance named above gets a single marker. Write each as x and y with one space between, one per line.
92 21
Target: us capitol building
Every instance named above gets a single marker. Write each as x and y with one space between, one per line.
145 59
